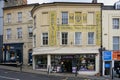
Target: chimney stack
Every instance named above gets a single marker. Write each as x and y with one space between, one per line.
94 1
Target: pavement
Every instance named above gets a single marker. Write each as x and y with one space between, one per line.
69 76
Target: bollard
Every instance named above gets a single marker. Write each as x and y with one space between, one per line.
112 73
20 67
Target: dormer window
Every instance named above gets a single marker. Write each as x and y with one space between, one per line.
117 5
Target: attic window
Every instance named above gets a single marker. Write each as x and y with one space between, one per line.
118 6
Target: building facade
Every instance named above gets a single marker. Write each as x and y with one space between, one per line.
17 36
111 36
66 35
15 2
1 27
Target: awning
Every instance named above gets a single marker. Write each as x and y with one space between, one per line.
64 50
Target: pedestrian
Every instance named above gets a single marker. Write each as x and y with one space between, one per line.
118 72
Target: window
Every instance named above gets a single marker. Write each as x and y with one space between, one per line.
19 16
90 18
116 42
78 38
8 33
8 17
90 37
41 62
30 31
86 62
34 41
34 21
29 15
44 38
115 23
64 38
64 17
19 32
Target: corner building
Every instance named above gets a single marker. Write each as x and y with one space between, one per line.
65 35
17 36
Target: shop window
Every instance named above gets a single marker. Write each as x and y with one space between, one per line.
41 62
86 62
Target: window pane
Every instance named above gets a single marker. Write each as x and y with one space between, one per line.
77 37
19 31
115 23
64 17
45 38
19 16
30 31
115 43
8 33
64 38
9 17
90 37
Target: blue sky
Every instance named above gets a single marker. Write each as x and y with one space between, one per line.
106 2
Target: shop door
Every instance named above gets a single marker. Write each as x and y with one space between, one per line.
108 68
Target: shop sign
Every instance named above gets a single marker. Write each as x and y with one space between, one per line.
116 55
107 55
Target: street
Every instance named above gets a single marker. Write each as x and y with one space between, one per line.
12 75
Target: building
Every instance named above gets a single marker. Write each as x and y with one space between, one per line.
17 36
15 2
67 34
1 27
111 36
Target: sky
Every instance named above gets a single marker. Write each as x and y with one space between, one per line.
106 2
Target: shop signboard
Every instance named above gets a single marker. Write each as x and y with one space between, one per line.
116 55
107 55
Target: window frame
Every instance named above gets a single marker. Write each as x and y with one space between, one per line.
115 25
115 43
19 33
65 18
93 42
8 33
9 16
47 40
19 16
64 40
79 39
30 32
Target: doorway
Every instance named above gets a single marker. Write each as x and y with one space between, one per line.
68 65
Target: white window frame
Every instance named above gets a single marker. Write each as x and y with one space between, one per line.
115 25
19 16
42 39
9 17
93 38
66 19
80 38
61 38
18 37
30 32
116 43
8 34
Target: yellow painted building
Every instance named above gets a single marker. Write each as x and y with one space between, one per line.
17 36
67 34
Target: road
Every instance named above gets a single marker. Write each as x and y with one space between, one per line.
12 75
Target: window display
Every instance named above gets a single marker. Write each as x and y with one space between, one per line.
86 62
41 62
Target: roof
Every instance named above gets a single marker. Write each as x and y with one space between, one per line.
19 6
108 8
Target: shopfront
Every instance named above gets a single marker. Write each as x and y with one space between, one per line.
85 63
13 53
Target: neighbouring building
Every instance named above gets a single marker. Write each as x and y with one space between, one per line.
1 27
111 37
17 36
15 2
67 34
